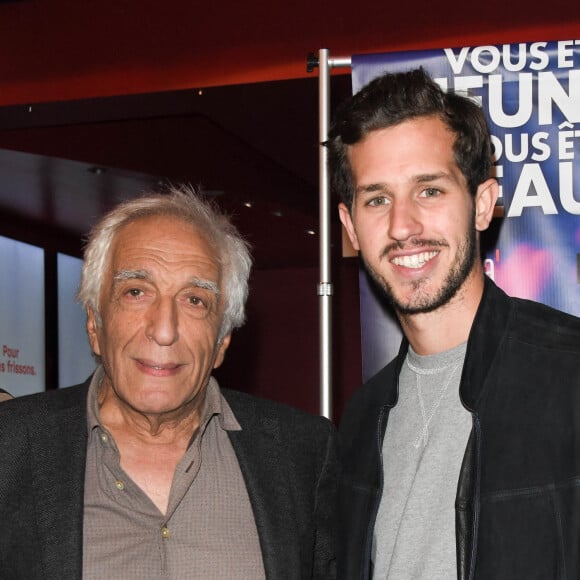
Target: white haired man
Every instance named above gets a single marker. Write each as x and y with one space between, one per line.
149 469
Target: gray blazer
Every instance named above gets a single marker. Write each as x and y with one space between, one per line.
288 460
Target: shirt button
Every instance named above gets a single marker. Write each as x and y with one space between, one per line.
119 485
164 532
104 438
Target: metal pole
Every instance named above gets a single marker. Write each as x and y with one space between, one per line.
325 285
325 289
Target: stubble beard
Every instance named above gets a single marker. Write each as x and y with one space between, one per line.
424 301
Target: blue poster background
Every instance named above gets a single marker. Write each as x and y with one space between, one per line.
530 93
22 339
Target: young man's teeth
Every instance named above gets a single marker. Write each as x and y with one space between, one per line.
415 260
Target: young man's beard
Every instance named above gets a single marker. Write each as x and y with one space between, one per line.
465 259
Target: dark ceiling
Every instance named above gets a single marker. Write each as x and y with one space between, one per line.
254 148
102 100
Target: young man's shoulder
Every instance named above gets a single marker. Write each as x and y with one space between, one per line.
526 320
542 324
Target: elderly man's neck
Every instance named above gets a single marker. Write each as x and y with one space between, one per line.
162 428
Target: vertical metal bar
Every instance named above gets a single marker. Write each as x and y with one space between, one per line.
325 288
325 285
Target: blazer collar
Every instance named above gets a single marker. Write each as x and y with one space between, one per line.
262 458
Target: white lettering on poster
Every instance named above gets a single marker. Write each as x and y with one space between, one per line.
528 84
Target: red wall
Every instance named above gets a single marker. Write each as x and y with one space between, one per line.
61 49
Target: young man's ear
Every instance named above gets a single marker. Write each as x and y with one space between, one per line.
346 220
485 199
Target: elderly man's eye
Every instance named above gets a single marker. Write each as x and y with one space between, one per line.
196 301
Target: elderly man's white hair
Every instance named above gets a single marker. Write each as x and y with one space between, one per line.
185 204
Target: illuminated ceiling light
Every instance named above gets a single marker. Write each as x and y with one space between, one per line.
311 232
277 213
248 204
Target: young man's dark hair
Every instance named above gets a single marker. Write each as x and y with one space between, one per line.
393 98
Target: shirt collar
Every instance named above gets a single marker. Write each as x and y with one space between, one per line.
214 405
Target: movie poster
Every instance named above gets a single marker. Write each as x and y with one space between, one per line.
530 93
21 318
75 360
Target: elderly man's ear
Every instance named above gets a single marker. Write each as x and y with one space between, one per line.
93 331
221 353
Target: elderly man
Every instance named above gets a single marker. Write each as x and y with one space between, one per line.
460 457
149 470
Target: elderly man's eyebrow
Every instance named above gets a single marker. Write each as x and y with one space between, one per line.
206 285
121 275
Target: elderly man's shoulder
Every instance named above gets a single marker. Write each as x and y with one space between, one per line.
32 408
251 409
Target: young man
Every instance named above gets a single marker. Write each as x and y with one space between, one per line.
150 470
460 458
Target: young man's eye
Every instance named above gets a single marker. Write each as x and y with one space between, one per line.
376 201
430 192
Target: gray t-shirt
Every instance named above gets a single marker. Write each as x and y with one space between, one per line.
427 432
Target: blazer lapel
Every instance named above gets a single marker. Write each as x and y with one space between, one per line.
261 456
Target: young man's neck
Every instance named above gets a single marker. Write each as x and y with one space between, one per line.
449 325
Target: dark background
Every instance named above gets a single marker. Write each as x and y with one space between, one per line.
100 101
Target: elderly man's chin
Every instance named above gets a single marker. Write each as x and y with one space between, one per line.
157 400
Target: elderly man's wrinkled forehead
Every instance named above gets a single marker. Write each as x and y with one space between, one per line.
145 231
151 222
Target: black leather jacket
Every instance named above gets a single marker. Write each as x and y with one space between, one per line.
518 495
